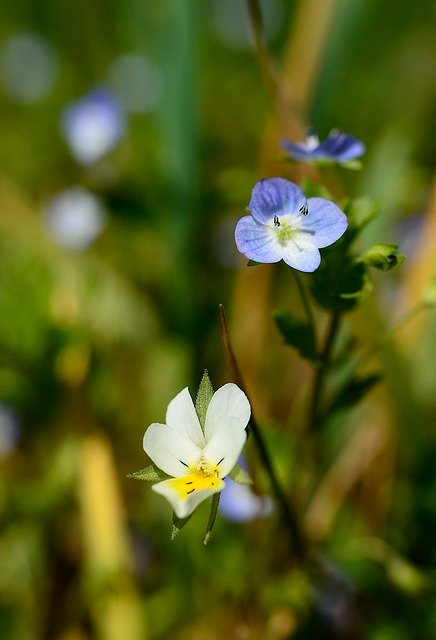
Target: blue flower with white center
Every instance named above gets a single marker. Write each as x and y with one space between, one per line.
285 225
337 147
240 504
93 125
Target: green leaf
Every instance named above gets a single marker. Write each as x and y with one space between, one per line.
361 211
297 334
352 392
239 475
178 524
204 396
383 256
253 263
341 283
352 165
315 190
212 517
149 474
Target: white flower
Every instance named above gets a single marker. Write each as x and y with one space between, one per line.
198 460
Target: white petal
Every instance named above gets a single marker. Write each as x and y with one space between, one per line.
227 402
184 506
170 450
224 447
181 415
301 254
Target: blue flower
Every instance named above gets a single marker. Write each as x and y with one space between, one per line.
93 125
284 225
337 147
239 504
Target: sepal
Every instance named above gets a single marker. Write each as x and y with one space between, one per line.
204 396
239 475
149 474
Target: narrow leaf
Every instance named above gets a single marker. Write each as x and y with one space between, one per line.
352 392
204 396
297 334
149 474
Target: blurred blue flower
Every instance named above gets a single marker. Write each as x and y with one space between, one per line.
239 504
284 225
75 217
337 147
9 429
93 125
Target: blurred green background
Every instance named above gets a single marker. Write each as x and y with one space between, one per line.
131 134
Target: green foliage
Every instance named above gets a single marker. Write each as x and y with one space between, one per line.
340 283
429 294
204 396
360 212
314 189
297 334
149 474
352 392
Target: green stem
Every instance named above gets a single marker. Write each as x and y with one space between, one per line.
290 519
321 372
306 303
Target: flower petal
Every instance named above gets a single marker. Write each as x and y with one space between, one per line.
181 416
301 254
325 222
256 241
341 147
171 450
183 503
275 196
225 445
240 504
227 402
299 150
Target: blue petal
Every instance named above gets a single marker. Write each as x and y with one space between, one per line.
299 150
275 196
325 222
302 254
341 147
256 241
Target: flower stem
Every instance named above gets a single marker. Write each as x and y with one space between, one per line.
306 303
296 536
321 372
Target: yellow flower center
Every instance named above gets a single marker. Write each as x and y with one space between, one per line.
203 476
285 233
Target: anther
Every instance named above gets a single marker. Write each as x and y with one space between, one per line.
304 209
276 224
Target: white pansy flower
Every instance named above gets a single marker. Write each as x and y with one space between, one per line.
198 459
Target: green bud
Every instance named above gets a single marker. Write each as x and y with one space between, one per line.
383 256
